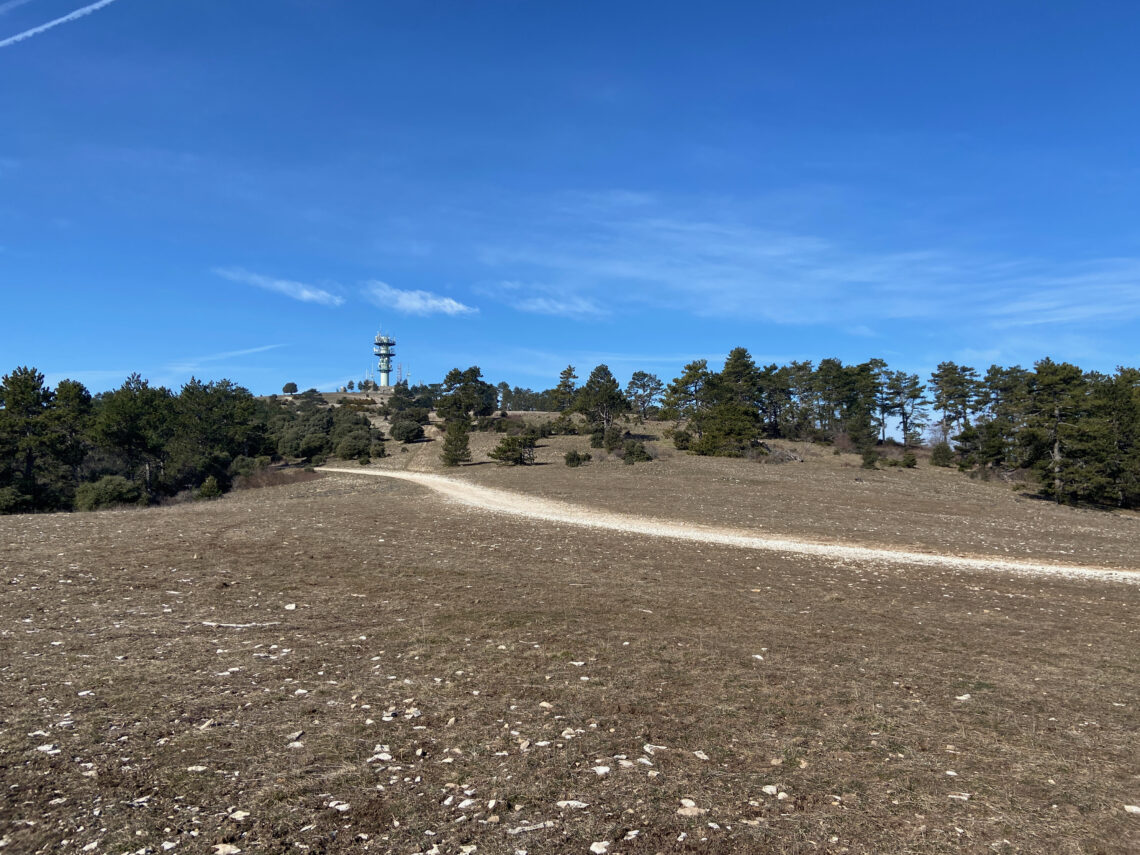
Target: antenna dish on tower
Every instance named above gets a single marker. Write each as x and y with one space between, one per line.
382 347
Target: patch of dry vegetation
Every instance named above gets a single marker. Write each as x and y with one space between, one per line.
343 665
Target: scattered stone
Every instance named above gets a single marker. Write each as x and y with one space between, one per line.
523 829
293 737
1132 808
572 804
602 770
700 755
770 789
632 834
195 768
339 806
239 815
600 847
964 697
962 797
689 808
225 849
296 746
289 607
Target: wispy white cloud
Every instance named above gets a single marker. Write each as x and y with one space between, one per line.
540 299
297 290
195 362
7 7
42 28
414 302
641 256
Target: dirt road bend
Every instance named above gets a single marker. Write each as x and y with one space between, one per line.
531 507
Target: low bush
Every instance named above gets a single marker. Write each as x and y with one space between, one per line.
108 492
634 451
210 489
514 451
682 440
577 458
354 445
612 438
942 455
406 431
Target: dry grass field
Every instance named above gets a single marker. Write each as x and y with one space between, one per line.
352 664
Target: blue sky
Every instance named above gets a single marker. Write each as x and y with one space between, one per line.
252 189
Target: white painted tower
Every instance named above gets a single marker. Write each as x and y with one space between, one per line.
382 347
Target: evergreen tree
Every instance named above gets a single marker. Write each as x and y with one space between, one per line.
776 400
643 392
25 440
565 391
955 389
1057 402
456 445
600 400
465 393
684 396
514 450
135 422
906 395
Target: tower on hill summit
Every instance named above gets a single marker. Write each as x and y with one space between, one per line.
382 347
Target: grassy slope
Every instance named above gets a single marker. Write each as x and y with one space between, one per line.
478 622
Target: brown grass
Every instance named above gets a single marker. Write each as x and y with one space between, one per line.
143 643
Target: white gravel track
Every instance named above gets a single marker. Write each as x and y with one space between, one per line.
532 507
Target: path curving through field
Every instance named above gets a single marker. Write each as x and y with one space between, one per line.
532 507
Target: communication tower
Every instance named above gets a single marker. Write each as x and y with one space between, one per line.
382 347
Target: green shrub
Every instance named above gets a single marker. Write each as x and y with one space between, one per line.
564 426
210 489
597 438
407 431
909 461
514 451
870 458
682 440
107 492
942 455
634 451
354 446
612 438
577 458
377 449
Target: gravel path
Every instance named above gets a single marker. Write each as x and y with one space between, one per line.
515 504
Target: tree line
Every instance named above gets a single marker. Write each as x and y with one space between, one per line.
64 448
1077 433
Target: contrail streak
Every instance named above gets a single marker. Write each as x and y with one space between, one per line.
5 8
70 16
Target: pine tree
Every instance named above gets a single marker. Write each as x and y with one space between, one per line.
456 445
643 392
565 391
600 400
